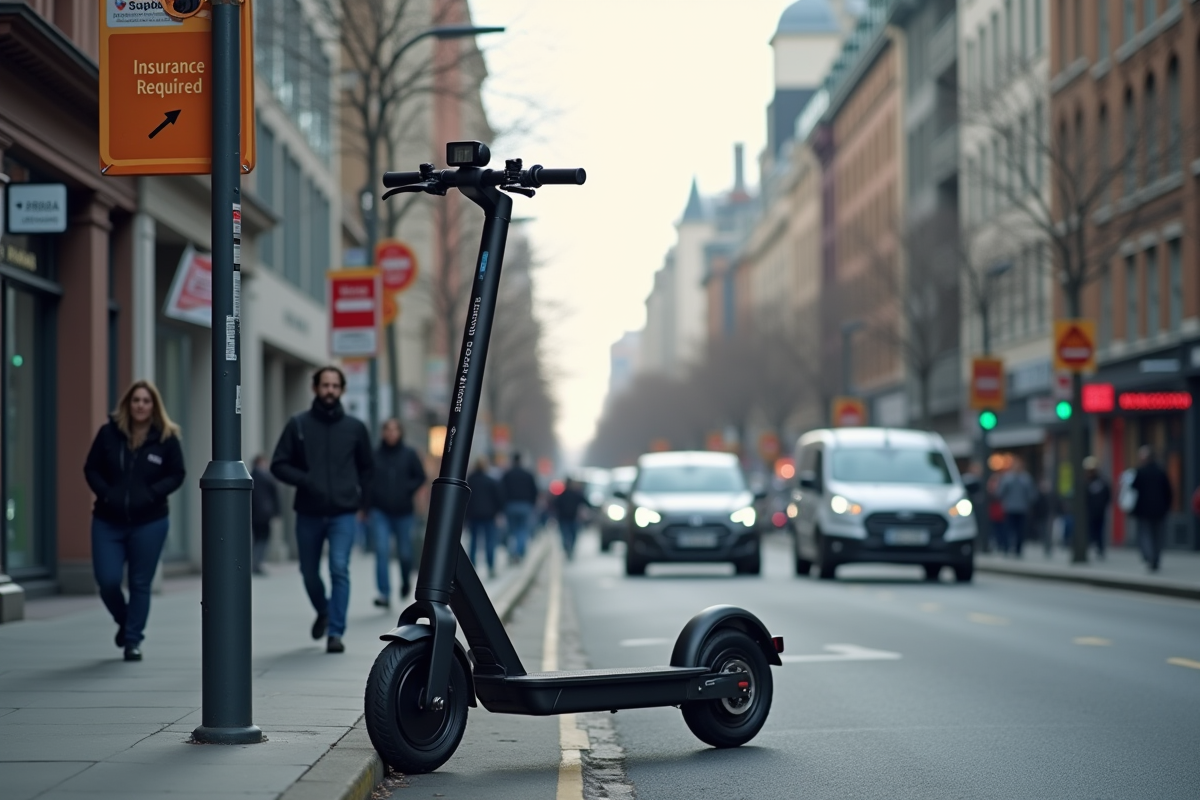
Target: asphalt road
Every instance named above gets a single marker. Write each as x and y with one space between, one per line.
896 688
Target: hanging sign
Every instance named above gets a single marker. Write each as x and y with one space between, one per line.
354 312
190 298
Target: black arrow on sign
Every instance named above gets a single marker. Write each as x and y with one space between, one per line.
171 116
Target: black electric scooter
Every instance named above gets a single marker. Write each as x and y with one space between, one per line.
423 682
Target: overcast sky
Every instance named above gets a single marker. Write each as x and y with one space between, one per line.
645 94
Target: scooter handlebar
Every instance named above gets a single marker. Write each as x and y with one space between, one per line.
541 176
393 180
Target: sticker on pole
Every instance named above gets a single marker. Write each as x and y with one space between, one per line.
1075 345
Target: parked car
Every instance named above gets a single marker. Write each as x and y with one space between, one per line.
614 509
880 495
691 507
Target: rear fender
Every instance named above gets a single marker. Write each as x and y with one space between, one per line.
691 638
415 633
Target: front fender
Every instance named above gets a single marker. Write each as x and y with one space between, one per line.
415 633
691 638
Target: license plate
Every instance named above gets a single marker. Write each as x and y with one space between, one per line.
906 536
696 539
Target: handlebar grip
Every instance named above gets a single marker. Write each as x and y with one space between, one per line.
392 180
571 177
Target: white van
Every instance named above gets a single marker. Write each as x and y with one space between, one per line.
880 495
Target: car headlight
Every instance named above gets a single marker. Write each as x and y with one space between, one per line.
746 516
840 505
616 513
793 510
644 517
962 508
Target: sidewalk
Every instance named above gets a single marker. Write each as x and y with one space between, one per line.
1123 568
79 723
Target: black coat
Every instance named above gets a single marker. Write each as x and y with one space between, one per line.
1099 495
519 486
264 500
487 500
131 486
398 476
327 456
566 505
1154 495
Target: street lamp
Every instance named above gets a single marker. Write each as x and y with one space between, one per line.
370 211
849 328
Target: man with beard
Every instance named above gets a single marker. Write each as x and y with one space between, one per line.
327 456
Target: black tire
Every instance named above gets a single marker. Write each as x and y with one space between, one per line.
964 573
731 722
605 543
803 565
408 739
749 566
633 564
933 572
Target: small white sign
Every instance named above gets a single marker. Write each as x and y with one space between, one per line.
1040 410
37 208
137 14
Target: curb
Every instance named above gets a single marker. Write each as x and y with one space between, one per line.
1130 583
353 755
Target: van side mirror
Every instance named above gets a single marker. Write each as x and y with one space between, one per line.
621 494
808 480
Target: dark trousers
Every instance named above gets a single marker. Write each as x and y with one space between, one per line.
483 532
1151 533
1015 522
261 537
1096 533
311 534
139 547
569 528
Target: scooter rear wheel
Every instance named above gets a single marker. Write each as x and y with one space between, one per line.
408 738
734 721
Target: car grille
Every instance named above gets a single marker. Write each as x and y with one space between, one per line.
876 524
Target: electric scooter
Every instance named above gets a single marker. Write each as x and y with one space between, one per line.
423 681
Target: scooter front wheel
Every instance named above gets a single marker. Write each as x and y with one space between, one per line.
731 722
408 738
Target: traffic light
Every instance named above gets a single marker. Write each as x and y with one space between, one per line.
182 9
1063 409
987 420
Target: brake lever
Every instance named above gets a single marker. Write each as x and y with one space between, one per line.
429 187
518 190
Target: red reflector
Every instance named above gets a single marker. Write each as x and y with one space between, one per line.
743 684
778 642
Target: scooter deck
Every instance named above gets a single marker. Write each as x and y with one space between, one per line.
545 693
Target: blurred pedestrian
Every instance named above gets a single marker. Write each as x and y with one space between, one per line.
326 455
1017 493
486 503
1154 498
135 463
565 507
398 476
1099 495
264 507
520 494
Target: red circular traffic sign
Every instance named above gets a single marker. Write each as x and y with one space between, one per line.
397 264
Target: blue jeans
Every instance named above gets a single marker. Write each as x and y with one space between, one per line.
483 531
569 528
311 533
1151 533
1014 521
139 546
520 520
384 527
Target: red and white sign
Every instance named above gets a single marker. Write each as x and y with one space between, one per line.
987 383
190 298
354 312
1062 386
1075 345
398 264
849 412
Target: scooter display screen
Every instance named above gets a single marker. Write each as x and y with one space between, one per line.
467 154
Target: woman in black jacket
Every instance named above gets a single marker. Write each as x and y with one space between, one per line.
134 463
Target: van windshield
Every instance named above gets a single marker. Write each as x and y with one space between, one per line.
690 478
890 465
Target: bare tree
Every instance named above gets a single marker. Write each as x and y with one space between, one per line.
785 357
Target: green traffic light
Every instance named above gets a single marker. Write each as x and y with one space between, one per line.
1063 409
987 420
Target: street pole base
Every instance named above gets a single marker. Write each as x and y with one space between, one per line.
251 734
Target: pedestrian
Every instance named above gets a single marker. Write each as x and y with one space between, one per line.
1154 498
399 475
326 455
135 463
264 507
486 503
1017 493
1099 495
520 493
565 506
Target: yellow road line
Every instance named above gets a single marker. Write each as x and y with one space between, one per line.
931 607
1092 641
1184 662
571 739
987 619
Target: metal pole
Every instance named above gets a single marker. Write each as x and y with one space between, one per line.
226 484
1078 448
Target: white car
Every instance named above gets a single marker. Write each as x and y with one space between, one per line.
880 495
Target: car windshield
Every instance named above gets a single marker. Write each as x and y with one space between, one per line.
890 465
690 478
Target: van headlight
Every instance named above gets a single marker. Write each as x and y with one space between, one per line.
962 508
615 512
840 505
644 517
746 516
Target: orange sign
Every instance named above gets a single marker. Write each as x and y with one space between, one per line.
660 446
391 308
1075 345
987 384
156 90
849 412
715 440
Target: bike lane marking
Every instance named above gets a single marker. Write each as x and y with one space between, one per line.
571 739
842 652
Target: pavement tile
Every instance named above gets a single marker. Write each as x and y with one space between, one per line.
55 742
150 719
296 717
232 778
100 699
24 781
280 749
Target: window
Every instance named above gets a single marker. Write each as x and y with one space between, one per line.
971 73
1077 25
1102 29
1130 25
319 257
1063 60
984 76
1038 44
1131 299
1081 165
1128 147
1009 20
1153 292
264 186
998 177
1024 29
888 465
1041 318
996 45
1025 265
1038 157
293 214
971 210
1022 161
1106 309
1149 12
1151 132
1174 122
1175 266
1103 145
